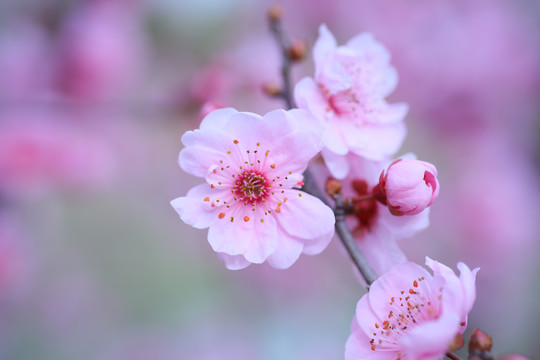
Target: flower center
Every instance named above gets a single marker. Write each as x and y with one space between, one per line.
251 186
407 309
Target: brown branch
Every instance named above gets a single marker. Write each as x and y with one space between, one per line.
276 27
310 186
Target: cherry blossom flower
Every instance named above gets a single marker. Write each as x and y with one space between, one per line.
411 314
252 166
373 226
348 96
409 186
101 51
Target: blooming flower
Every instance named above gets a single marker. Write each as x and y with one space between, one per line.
410 186
373 226
252 166
411 314
348 96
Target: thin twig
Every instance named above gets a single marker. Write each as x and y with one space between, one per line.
452 356
350 244
286 92
309 184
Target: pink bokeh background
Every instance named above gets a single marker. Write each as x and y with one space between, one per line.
94 97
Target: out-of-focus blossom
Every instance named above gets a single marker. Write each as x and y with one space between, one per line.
348 95
409 186
101 51
409 313
237 76
36 155
252 165
496 83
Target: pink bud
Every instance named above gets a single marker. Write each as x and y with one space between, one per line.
410 186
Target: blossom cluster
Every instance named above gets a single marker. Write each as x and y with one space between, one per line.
257 209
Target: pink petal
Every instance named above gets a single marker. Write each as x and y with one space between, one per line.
381 250
430 340
307 94
365 317
293 151
334 77
365 42
468 279
234 262
359 348
402 227
305 216
264 241
316 245
232 238
325 44
338 165
379 142
197 160
242 127
217 119
400 278
334 139
192 208
287 251
365 168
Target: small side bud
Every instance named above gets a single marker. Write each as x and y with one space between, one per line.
457 343
271 90
480 345
297 51
275 12
333 187
409 186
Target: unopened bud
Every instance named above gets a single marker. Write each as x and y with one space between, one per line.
275 12
333 187
271 89
410 186
457 343
480 341
297 51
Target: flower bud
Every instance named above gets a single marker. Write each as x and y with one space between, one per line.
409 186
457 343
275 12
271 90
480 341
297 51
333 187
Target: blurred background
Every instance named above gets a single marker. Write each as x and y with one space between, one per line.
94 97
